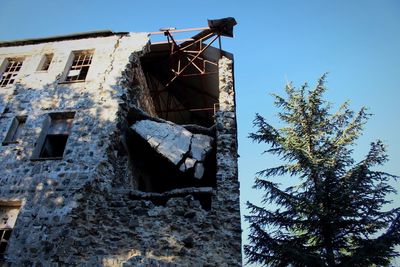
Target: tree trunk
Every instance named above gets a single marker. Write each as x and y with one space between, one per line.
329 253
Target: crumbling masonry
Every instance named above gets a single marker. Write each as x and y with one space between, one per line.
117 151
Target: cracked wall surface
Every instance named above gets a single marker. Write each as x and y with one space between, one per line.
89 208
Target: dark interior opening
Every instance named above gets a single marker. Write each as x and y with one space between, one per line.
54 146
191 98
154 173
4 237
83 73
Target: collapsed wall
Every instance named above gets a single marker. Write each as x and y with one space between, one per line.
132 187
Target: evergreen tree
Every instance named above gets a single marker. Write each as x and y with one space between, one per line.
333 215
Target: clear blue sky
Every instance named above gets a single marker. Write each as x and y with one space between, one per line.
357 42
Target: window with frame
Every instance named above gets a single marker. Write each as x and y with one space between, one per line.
45 62
17 125
80 66
13 66
8 217
54 136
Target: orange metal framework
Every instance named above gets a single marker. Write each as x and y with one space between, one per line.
189 52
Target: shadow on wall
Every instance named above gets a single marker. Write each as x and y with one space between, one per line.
51 185
118 229
80 208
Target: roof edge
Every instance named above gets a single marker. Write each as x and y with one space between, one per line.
74 36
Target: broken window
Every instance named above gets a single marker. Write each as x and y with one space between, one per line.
80 66
15 130
12 67
8 217
52 141
45 62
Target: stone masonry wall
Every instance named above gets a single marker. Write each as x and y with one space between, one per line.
85 210
48 189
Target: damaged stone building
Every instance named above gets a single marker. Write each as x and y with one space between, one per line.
119 151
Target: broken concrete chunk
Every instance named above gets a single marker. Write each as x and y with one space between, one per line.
171 141
177 144
199 170
201 146
188 164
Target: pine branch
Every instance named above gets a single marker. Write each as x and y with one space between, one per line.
332 215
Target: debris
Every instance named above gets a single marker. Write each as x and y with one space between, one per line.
181 147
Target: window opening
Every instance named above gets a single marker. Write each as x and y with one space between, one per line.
53 142
13 67
8 217
80 66
15 130
45 62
